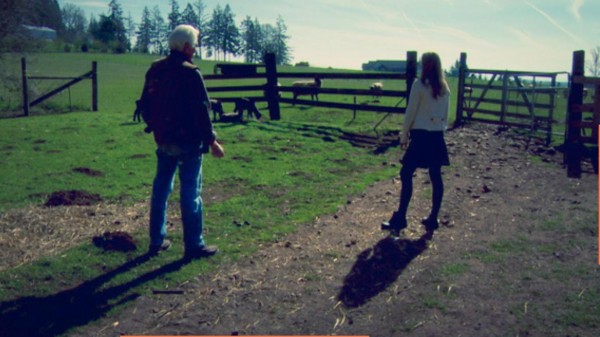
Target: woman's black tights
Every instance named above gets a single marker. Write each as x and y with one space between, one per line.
406 176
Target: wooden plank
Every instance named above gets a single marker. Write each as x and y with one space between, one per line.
233 99
587 107
237 88
360 107
586 80
512 72
509 102
356 76
232 77
356 92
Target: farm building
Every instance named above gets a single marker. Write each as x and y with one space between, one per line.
41 33
385 65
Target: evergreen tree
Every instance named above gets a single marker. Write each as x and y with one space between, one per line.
174 16
159 32
144 33
251 40
201 23
282 51
189 17
213 32
129 28
231 35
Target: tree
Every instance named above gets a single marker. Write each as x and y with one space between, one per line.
594 64
213 32
144 33
201 23
174 16
74 23
231 36
251 40
159 32
282 51
189 17
129 28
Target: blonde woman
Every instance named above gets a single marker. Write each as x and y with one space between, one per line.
425 122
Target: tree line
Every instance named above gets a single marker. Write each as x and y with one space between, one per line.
221 37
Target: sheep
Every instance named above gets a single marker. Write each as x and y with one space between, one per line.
376 88
307 88
217 108
242 104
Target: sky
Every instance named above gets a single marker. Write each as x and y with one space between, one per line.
524 35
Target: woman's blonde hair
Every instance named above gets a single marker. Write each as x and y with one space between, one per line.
433 75
181 35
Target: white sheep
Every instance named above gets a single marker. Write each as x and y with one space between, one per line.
376 89
307 88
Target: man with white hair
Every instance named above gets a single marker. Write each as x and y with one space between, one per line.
177 106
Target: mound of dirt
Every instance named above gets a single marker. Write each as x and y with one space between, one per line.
72 198
117 241
88 171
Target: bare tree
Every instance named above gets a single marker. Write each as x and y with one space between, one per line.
594 65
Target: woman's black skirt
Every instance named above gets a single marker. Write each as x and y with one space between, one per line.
426 149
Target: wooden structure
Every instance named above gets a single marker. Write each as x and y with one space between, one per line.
522 99
583 119
271 90
92 75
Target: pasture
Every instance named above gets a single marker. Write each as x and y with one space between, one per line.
312 197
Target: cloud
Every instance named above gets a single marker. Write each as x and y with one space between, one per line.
555 23
576 8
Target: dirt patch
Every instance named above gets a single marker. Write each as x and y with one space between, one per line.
115 241
89 172
71 198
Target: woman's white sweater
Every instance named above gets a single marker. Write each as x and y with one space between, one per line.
425 112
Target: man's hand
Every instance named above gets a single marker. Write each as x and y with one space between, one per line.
217 150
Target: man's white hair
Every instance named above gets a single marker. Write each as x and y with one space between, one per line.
181 35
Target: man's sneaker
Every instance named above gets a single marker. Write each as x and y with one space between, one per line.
204 251
155 249
431 224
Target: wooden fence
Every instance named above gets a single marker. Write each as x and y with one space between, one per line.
521 99
271 90
583 119
92 75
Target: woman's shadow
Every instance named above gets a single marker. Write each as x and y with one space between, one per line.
378 267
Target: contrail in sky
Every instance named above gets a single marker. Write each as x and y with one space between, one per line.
576 7
555 23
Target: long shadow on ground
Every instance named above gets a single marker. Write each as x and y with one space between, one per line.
377 268
55 314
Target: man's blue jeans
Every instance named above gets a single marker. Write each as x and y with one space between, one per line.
190 178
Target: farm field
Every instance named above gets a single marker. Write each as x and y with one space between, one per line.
517 254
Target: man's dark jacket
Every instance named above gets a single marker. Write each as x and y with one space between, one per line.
175 95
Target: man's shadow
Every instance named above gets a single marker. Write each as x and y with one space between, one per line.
55 314
377 268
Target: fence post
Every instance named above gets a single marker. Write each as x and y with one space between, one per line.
25 88
94 86
460 94
572 154
271 86
411 71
